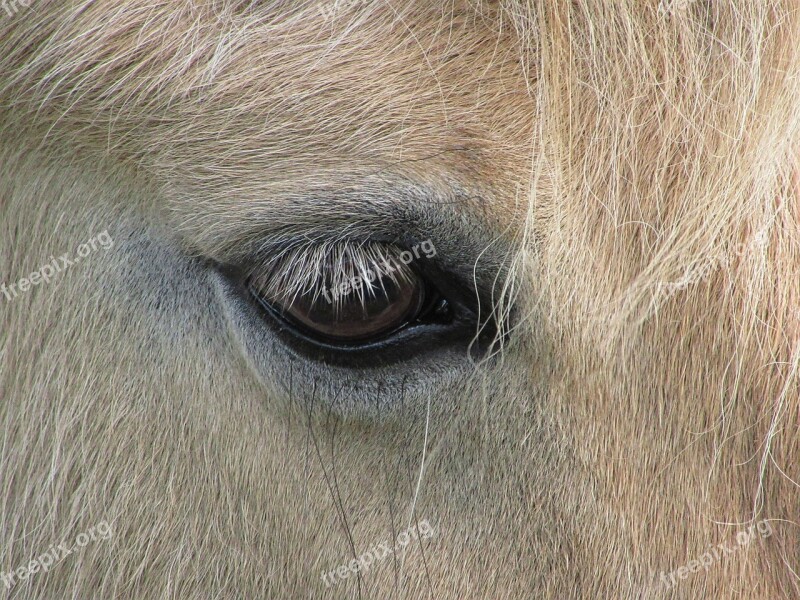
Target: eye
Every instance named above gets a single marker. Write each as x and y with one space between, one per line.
355 317
358 306
348 295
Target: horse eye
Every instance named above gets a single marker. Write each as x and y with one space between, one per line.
353 310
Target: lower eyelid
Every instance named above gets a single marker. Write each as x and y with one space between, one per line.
449 338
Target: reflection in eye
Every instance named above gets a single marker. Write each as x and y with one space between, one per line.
343 294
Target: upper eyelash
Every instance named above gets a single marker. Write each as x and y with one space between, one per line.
306 267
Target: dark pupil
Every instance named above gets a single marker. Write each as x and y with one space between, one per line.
361 313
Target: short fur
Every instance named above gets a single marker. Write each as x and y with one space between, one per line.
639 160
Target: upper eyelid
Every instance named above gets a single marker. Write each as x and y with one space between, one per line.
453 268
469 255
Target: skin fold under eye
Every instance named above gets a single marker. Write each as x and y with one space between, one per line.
344 294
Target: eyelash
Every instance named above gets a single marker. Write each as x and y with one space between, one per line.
311 266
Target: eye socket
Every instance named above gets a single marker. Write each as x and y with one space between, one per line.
357 296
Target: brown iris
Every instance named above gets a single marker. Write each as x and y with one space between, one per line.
354 309
354 319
